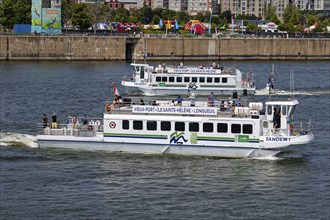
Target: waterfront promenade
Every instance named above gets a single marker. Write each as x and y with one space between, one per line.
30 47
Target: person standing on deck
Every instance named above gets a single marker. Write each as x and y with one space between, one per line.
54 121
44 121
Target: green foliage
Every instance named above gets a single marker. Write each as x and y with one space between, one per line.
80 16
226 15
270 12
288 12
66 12
150 31
15 12
251 27
311 19
168 14
156 19
294 19
182 17
216 20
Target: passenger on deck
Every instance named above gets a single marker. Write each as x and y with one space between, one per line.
44 121
211 100
75 122
154 103
107 107
192 99
54 121
275 118
179 100
142 102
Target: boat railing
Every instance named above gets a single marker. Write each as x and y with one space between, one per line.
222 108
78 130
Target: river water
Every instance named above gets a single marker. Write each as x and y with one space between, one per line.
68 184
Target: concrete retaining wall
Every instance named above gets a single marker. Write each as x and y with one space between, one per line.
115 48
62 48
221 49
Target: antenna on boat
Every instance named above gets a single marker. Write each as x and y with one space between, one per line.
291 84
270 84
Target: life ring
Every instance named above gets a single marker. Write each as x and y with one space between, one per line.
112 124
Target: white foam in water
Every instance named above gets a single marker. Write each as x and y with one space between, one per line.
267 158
265 91
8 139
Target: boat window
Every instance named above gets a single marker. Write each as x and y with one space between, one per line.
152 125
142 73
201 79
222 128
209 79
216 80
284 110
171 79
208 127
224 80
247 129
137 125
186 79
158 79
194 126
194 79
269 110
165 125
236 128
179 126
179 79
125 124
164 79
137 68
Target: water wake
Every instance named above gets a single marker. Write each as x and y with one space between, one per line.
264 92
15 139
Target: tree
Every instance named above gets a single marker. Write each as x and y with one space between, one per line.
168 14
226 15
22 11
155 19
97 13
294 19
182 17
269 12
288 12
80 16
66 13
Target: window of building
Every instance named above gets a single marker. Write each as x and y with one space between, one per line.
236 128
208 127
137 125
152 125
179 126
222 127
165 125
125 124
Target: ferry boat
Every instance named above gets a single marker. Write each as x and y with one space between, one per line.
183 80
224 129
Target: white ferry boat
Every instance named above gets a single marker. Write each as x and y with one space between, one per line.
183 80
164 128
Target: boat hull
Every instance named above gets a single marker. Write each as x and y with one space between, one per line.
95 144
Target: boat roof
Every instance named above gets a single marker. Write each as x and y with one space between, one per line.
139 64
288 102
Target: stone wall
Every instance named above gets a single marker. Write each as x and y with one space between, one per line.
62 48
116 48
221 49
